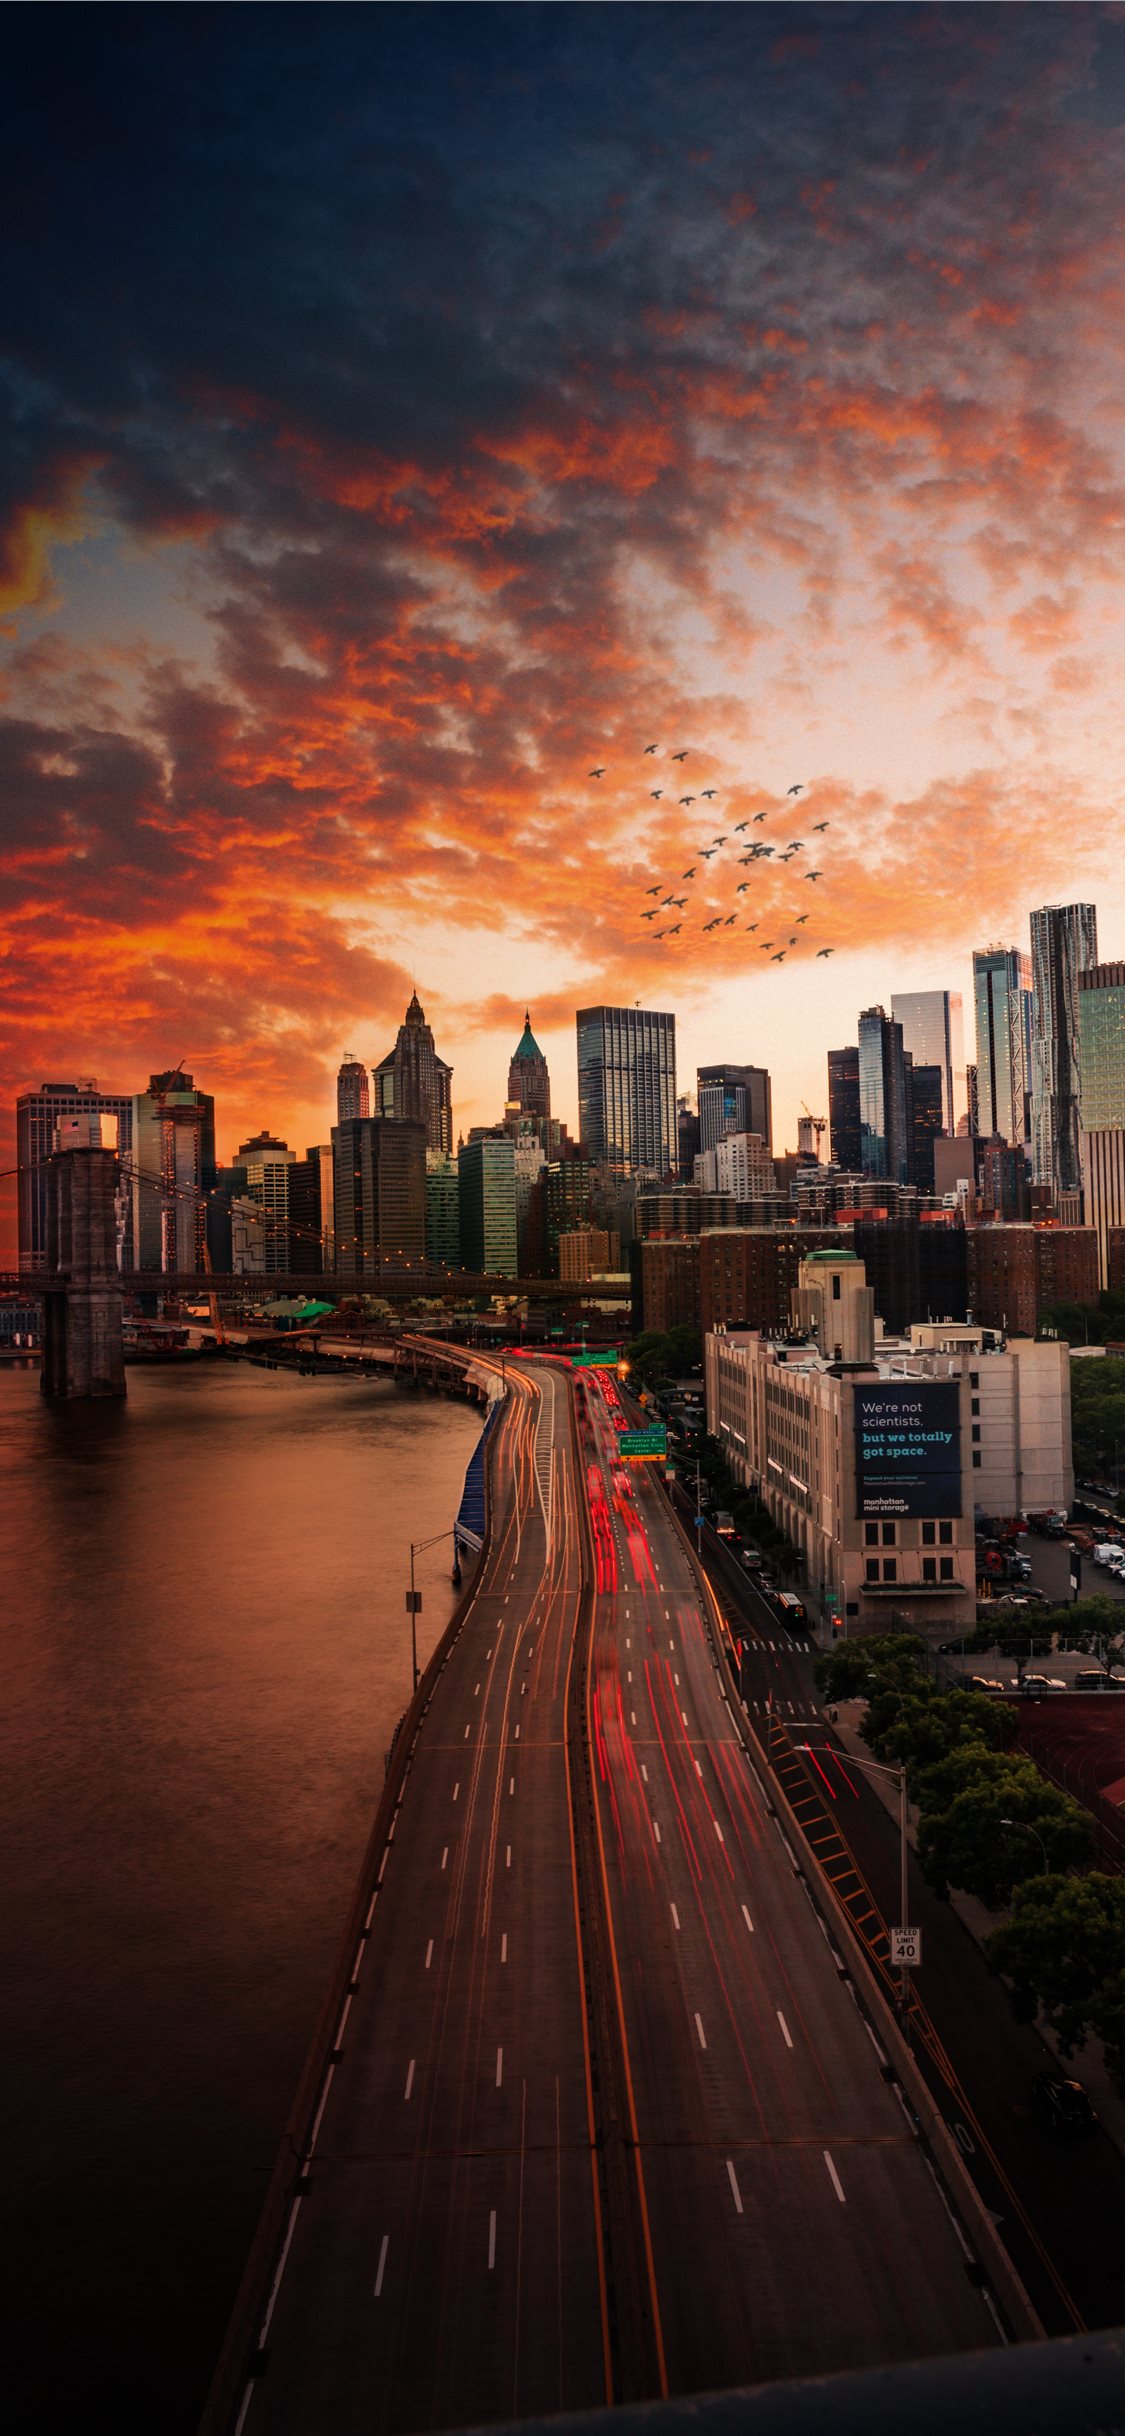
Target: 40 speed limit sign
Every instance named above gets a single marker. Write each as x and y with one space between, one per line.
906 1948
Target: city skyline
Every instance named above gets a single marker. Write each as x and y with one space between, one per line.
309 649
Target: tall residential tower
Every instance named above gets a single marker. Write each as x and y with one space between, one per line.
627 1088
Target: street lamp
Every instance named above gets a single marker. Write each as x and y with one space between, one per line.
872 1767
1030 1830
414 1597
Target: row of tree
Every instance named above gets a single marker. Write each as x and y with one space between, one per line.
992 1826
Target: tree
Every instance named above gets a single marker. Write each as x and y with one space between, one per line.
853 1667
1015 1633
919 1725
1063 1953
938 1785
969 1846
1098 1625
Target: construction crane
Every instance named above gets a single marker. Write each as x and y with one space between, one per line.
818 1124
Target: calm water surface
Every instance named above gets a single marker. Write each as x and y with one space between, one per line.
203 1652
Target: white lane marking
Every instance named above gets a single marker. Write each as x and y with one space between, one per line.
409 2079
457 1788
468 1730
784 2029
511 1784
491 2239
656 1830
633 1715
444 1854
733 2180
792 1710
382 1866
699 2027
504 1947
517 1734
773 1645
698 1769
675 1915
837 2185
667 1615
644 1771
523 1688
508 1858
748 1920
499 2066
476 1688
429 1953
487 1656
383 2248
343 2022
718 1831
683 1713
628 1643
370 1912
628 1674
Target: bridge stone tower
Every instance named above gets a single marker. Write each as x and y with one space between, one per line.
83 1336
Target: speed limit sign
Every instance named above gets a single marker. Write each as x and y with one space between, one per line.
906 1948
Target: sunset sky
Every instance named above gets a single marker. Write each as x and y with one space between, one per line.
412 408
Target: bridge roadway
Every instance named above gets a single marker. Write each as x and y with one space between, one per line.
448 2261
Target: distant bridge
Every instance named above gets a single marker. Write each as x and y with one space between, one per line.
195 1286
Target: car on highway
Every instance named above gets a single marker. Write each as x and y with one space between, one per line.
1062 2103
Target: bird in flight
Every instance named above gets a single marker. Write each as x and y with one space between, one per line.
650 748
720 841
709 793
739 826
800 917
656 793
796 843
707 851
742 887
779 958
654 892
766 946
670 934
666 901
712 925
751 926
818 825
687 799
598 773
824 951
681 901
689 874
814 875
795 790
730 918
651 914
788 856
682 756
759 816
763 853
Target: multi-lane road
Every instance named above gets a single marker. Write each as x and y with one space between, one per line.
602 2117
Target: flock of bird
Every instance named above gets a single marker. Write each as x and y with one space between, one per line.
750 852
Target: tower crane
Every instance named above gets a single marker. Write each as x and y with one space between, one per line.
818 1124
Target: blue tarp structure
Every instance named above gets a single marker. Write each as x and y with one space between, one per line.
470 1519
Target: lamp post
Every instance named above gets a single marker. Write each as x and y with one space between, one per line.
414 1597
873 1767
1028 1829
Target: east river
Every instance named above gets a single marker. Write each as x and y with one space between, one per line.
203 1652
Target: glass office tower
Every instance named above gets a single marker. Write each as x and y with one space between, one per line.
1101 1050
627 1088
1064 941
884 1145
1002 999
933 1035
733 1099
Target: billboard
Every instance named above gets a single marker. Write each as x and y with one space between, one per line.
907 1447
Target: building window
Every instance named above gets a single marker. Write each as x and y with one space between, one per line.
888 1535
871 1569
946 1563
929 1569
928 1530
871 1535
945 1534
974 1404
976 1433
890 1569
974 1378
976 1458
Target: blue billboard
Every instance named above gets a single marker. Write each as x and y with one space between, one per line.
907 1447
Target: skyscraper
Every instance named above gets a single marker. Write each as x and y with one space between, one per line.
933 1035
843 1108
173 1169
529 1083
1002 999
627 1088
353 1091
733 1099
884 1147
486 1171
413 1085
379 1196
39 1115
1101 1045
926 1100
266 1163
1064 941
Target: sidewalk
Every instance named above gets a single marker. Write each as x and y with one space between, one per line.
1088 2062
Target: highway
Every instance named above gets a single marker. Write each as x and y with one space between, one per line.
793 2222
444 2266
602 2119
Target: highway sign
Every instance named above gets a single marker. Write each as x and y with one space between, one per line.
593 1361
906 1949
645 1445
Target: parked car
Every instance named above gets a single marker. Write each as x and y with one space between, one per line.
1034 1687
1094 1679
1062 2103
985 1683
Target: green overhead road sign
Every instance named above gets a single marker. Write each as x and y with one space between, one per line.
644 1445
593 1361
